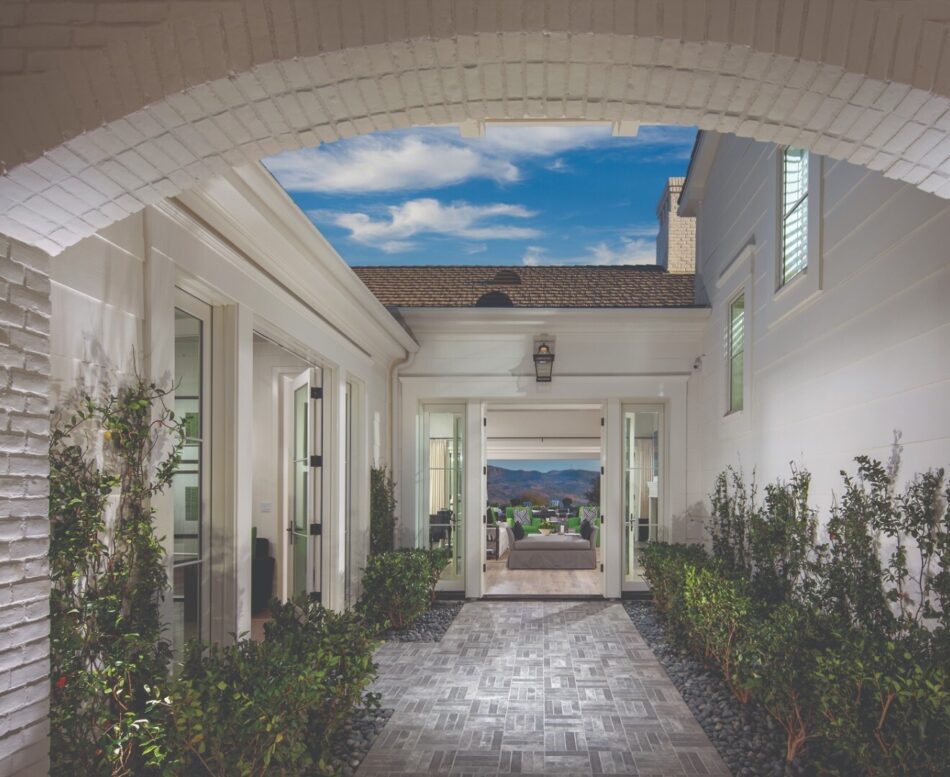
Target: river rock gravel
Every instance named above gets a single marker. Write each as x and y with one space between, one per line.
749 740
431 627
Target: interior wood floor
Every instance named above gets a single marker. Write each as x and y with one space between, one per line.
501 581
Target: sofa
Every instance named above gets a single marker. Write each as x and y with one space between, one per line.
554 551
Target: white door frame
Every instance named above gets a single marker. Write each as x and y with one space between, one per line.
669 390
202 311
309 377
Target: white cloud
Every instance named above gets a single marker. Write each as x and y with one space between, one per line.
429 216
633 250
386 163
540 141
425 158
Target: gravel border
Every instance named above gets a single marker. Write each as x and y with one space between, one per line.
431 627
749 740
355 739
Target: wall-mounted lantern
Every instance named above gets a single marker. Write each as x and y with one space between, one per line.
543 361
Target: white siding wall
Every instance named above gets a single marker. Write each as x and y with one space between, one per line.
832 373
97 290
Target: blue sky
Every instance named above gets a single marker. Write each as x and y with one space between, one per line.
518 195
593 465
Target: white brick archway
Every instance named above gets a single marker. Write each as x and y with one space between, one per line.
110 106
106 107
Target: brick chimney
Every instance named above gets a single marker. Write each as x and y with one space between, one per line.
676 240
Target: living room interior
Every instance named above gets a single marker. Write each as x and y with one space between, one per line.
544 472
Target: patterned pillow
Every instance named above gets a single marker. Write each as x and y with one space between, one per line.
522 515
587 529
518 530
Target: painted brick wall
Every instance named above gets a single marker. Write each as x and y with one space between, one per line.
122 104
676 240
24 524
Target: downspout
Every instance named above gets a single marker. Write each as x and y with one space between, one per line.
394 369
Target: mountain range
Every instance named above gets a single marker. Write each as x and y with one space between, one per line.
522 484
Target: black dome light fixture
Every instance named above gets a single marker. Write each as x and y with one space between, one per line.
543 360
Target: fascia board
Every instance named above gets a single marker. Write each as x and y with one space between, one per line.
554 320
700 163
248 206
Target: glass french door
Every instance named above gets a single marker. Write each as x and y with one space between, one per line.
304 525
191 484
443 517
642 486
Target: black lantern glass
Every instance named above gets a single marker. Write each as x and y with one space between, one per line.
543 363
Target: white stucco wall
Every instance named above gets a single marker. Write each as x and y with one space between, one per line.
834 367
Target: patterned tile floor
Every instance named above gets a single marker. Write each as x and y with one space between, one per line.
531 688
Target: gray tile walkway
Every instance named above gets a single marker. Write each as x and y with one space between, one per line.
530 688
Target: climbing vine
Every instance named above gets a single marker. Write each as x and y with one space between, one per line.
109 457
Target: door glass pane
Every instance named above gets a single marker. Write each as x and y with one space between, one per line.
301 455
187 483
443 488
301 501
641 486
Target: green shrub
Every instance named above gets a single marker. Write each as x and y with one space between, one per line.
719 613
883 707
781 538
273 706
382 510
775 663
663 566
846 645
399 586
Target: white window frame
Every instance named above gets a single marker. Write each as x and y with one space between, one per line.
730 354
802 203
736 279
791 296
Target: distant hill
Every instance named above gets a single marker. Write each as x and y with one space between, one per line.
505 484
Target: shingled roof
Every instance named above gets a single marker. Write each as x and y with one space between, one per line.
453 286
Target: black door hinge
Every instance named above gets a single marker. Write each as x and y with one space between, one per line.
601 470
601 567
601 420
601 519
316 529
316 461
484 567
316 392
484 470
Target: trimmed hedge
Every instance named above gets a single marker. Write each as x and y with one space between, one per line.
399 586
270 707
847 650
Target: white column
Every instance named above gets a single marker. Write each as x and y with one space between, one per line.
334 479
160 367
232 467
474 500
611 500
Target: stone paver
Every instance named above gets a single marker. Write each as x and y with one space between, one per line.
547 687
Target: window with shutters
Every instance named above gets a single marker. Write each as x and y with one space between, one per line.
794 213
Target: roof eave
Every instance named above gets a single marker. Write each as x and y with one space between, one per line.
700 163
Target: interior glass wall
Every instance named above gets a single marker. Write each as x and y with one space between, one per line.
442 516
641 484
